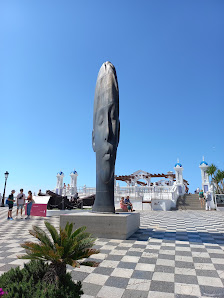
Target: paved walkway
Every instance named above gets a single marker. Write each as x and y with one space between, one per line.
173 254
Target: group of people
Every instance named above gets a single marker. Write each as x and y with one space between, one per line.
205 199
126 204
20 202
68 187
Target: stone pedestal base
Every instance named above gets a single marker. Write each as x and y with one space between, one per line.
111 226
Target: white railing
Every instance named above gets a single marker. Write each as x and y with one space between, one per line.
159 192
86 190
136 192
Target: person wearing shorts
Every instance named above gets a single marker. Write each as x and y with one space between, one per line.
10 204
20 203
208 199
201 198
129 204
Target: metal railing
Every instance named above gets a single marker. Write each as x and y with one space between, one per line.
138 192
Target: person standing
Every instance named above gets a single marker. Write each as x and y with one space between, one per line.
201 198
20 203
10 204
29 204
208 199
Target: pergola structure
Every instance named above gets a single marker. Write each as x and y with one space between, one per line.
134 178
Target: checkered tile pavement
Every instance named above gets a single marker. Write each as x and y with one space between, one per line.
173 254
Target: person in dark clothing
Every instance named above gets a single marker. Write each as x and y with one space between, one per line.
10 204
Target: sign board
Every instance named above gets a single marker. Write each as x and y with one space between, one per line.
38 210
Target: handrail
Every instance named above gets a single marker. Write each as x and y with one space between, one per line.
158 192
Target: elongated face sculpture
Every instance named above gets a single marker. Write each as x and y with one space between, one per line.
106 126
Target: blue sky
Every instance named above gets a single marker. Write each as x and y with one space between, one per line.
169 61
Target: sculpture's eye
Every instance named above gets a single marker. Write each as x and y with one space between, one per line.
100 119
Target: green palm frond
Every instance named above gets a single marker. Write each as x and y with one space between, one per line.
68 229
78 231
67 247
42 236
52 231
211 170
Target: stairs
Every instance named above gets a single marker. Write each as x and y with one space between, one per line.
189 202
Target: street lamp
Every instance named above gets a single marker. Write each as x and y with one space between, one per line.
3 199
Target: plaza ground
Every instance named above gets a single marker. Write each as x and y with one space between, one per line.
173 254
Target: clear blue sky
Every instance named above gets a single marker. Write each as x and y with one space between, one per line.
169 61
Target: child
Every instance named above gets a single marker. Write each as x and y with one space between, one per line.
10 204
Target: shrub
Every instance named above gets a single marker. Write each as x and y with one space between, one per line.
28 282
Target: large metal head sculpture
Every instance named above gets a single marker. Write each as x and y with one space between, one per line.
105 136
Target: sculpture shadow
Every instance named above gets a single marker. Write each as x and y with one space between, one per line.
191 237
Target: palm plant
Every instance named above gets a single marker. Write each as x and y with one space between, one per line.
211 170
65 247
222 181
218 178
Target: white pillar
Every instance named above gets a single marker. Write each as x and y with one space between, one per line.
148 181
204 176
73 183
170 177
179 177
59 187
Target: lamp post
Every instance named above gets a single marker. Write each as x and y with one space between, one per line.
3 199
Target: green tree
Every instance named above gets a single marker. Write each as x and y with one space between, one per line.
211 170
65 247
217 177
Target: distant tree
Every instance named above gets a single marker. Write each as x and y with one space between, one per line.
218 178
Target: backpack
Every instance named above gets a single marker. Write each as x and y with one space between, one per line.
201 195
9 197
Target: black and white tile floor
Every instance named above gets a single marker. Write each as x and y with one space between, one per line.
173 254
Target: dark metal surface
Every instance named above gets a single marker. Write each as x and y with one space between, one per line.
60 202
57 201
105 136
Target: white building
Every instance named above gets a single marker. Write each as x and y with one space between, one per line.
59 186
204 175
63 189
